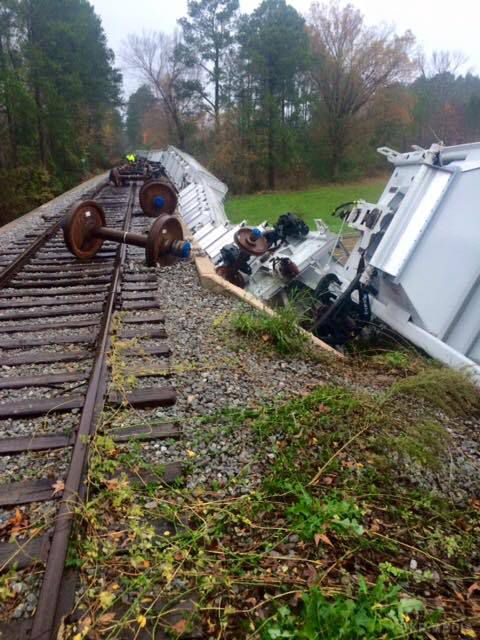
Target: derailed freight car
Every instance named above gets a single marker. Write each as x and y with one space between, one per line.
415 265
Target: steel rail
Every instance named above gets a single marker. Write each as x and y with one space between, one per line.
37 244
46 618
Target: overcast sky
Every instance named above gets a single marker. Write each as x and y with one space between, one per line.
437 24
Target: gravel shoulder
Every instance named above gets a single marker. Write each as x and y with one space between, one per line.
215 372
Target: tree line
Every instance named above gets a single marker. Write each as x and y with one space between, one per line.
59 100
275 98
266 100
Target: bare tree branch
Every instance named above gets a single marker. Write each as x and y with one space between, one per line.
352 62
152 57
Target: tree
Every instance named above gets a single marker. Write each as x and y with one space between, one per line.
208 37
442 62
351 63
8 78
152 56
274 51
72 79
139 104
59 98
155 128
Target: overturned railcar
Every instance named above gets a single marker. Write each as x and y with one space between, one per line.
415 264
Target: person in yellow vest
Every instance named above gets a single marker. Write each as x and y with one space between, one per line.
132 158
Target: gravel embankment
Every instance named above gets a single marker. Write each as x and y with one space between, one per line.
213 370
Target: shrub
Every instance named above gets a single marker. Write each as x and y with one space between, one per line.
24 189
310 516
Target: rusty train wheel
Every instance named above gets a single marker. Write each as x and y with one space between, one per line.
81 220
157 197
163 233
248 241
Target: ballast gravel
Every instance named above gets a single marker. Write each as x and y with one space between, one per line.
37 517
34 466
213 371
23 598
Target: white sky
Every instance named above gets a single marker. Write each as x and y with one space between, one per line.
437 24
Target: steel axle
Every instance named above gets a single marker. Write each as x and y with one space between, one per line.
85 232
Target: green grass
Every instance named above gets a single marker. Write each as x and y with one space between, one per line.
319 548
280 330
317 202
376 612
451 391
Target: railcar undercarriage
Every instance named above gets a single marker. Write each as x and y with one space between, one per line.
415 265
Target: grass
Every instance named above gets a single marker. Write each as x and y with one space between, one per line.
311 517
397 362
317 202
320 547
281 330
425 443
291 558
451 391
362 508
378 612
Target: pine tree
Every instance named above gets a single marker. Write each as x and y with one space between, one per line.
208 37
274 51
59 97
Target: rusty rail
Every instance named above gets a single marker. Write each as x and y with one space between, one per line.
46 615
30 251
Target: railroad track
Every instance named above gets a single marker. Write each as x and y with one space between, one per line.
58 321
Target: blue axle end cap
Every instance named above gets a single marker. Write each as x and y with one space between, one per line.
159 202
